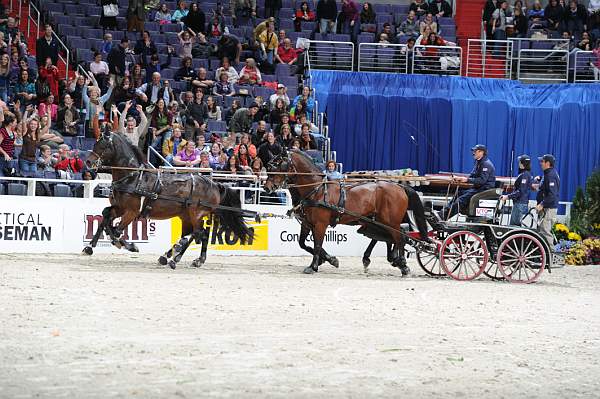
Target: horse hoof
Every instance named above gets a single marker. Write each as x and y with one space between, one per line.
405 270
88 250
197 263
163 261
117 244
172 264
334 262
132 248
366 263
366 270
309 270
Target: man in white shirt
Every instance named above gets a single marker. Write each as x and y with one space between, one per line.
281 93
128 127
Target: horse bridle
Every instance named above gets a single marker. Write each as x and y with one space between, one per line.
275 164
97 163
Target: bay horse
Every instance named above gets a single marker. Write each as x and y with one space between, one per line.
138 191
378 207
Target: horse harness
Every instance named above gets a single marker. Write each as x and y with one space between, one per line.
149 196
339 210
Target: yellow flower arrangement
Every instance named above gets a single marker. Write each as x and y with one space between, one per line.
561 227
574 236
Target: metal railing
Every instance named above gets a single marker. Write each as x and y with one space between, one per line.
30 19
531 43
67 57
583 67
543 66
437 60
330 55
378 57
489 59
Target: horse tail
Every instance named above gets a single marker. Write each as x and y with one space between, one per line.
232 220
415 205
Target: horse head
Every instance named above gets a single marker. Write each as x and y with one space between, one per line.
277 172
114 149
103 152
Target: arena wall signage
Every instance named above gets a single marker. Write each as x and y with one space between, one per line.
65 225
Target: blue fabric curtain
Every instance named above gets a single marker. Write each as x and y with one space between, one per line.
429 123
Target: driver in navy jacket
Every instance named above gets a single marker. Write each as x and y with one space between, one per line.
483 177
547 197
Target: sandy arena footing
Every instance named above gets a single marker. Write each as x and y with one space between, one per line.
121 326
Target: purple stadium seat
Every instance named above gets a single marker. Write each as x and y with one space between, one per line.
286 13
366 37
74 9
282 70
54 7
219 126
382 8
383 18
215 64
264 92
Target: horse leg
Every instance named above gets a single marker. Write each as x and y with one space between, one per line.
89 249
201 236
399 259
109 214
318 236
126 219
180 246
366 260
390 252
323 256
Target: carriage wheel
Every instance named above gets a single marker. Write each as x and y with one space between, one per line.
521 258
430 261
493 272
464 255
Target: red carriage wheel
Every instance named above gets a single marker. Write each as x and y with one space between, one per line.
429 260
521 258
464 255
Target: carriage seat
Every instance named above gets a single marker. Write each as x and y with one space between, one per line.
474 205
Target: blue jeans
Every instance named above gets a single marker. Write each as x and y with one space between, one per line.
517 213
352 30
4 94
326 26
27 166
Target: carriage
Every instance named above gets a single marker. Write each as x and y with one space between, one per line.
480 244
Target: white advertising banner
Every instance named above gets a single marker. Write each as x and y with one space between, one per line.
66 225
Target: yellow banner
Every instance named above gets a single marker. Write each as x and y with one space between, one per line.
224 240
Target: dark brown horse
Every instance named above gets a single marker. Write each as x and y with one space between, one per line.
138 191
378 207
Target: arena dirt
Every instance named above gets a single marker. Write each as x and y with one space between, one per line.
122 326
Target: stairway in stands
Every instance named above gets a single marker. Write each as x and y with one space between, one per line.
31 39
468 26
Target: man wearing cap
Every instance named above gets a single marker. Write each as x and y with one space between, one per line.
483 177
521 190
547 197
241 121
281 93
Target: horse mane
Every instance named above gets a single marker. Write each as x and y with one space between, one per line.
134 149
309 161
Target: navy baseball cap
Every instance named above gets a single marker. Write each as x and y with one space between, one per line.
548 158
524 158
479 147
